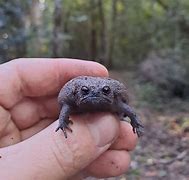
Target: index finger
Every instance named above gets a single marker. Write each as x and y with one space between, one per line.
34 77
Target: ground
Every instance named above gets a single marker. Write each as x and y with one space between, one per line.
163 151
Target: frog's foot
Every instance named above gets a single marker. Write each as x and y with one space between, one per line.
137 127
63 126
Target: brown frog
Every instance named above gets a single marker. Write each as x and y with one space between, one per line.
93 94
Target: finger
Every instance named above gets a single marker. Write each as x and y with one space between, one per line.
9 134
109 164
48 155
36 128
30 111
126 140
41 77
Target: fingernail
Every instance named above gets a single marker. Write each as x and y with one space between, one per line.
103 127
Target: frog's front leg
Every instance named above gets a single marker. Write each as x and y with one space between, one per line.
135 122
64 119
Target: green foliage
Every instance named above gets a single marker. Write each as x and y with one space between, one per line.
149 94
147 25
139 28
12 32
168 72
164 81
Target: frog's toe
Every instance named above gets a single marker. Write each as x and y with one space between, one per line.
63 127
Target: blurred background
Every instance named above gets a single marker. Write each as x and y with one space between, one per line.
144 43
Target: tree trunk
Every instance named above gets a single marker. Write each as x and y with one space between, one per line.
109 63
36 21
93 31
57 41
103 35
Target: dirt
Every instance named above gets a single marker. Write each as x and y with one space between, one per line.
163 152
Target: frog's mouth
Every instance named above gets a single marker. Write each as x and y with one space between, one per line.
95 99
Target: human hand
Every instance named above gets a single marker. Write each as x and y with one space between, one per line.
99 145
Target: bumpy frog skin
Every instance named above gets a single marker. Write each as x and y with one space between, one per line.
95 94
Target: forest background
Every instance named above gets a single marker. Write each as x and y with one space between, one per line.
144 43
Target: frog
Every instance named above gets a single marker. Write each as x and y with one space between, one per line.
88 94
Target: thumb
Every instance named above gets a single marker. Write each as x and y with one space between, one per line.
49 155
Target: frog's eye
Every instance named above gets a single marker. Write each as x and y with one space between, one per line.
85 89
106 89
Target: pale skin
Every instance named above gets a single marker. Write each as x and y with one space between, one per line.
29 146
